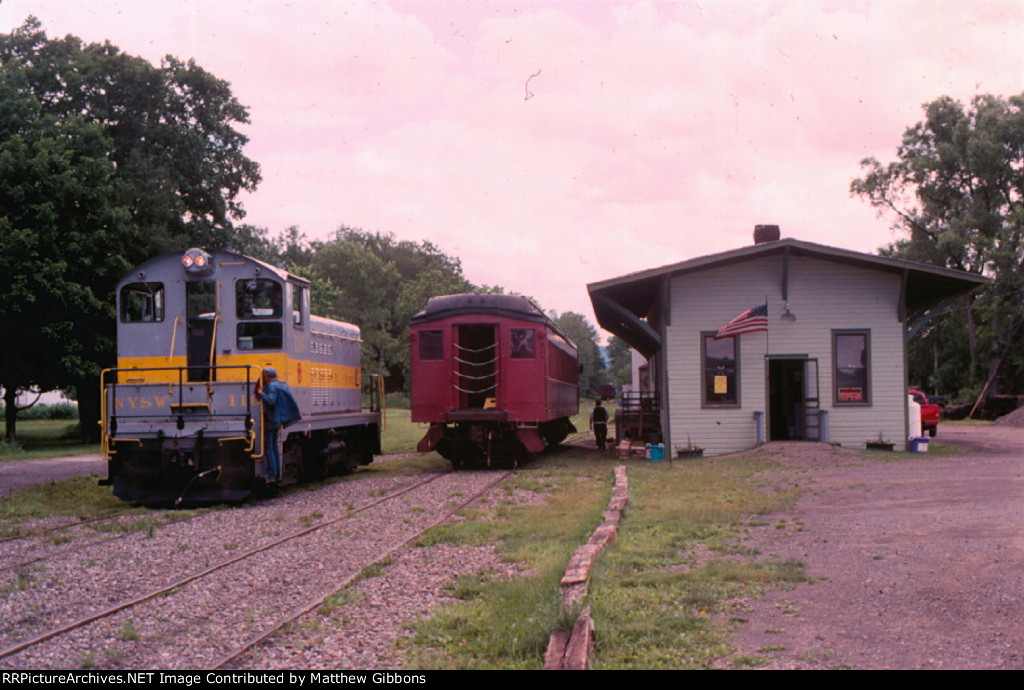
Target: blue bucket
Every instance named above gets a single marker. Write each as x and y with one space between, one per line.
655 452
918 444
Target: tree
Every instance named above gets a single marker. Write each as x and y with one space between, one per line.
620 361
957 194
60 227
581 332
174 165
378 283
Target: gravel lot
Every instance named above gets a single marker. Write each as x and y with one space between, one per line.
916 563
919 563
195 625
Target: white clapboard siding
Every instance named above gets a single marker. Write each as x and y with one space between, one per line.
825 296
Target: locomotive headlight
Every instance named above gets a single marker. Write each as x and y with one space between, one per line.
196 261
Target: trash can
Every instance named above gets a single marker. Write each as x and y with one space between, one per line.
655 452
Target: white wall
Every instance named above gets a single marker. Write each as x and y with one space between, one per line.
824 296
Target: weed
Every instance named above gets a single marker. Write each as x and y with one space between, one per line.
127 632
88 660
308 520
748 661
334 602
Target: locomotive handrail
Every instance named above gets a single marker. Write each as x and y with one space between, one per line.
213 345
108 433
174 335
482 349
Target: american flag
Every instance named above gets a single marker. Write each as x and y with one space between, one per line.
752 320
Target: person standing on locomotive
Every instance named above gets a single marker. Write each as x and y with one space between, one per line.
279 410
599 423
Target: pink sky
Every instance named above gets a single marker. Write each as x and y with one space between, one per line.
655 132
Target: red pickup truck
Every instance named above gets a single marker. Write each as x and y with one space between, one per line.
929 411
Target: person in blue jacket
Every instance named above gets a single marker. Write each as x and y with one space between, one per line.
279 410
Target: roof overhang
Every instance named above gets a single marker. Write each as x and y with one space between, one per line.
621 304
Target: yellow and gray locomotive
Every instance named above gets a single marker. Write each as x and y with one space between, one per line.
181 421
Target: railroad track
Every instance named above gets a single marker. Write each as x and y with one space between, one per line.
15 558
211 616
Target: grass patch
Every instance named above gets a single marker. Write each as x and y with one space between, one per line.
656 604
76 496
401 435
46 438
501 623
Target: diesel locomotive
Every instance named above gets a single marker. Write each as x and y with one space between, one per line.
493 376
180 418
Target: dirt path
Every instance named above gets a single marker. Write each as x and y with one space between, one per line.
16 475
918 563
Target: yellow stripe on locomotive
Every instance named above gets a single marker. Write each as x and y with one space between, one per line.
195 332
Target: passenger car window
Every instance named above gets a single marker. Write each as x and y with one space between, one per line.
431 345
523 343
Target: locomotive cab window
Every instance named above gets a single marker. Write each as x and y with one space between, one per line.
524 343
259 335
431 345
142 302
258 298
300 305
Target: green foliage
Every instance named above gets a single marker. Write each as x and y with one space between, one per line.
65 411
105 160
78 496
620 361
956 193
378 283
581 332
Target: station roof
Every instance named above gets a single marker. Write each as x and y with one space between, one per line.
621 303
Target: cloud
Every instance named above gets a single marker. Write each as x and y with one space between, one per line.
553 144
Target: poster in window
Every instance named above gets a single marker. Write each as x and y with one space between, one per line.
851 395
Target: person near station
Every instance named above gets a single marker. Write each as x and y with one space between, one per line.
279 410
599 423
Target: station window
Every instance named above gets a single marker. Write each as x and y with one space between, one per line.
431 345
265 335
258 298
142 302
851 358
721 374
524 343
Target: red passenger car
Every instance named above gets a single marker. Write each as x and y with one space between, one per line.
493 376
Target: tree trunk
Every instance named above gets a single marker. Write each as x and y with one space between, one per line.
10 413
972 337
89 408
